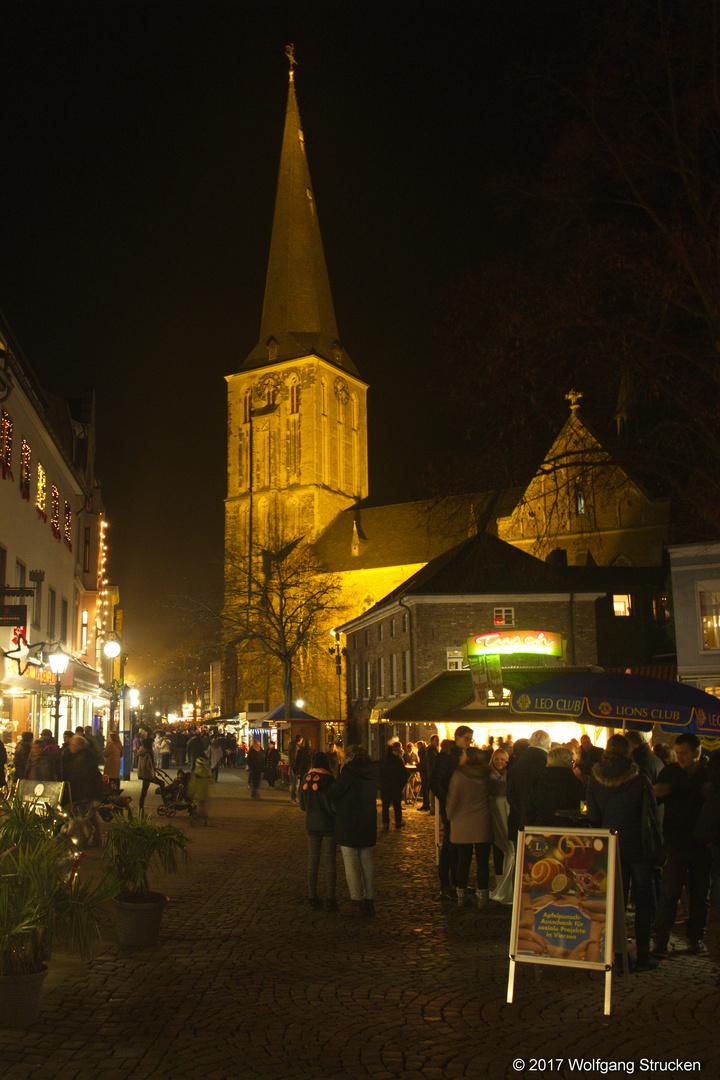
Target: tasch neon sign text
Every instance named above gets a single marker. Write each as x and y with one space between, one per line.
523 641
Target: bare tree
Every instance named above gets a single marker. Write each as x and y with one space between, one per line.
292 600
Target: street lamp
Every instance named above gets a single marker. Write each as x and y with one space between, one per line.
58 660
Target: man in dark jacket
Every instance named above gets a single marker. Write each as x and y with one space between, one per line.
303 755
445 765
521 780
392 784
648 763
680 789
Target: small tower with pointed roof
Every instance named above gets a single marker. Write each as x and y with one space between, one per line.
297 415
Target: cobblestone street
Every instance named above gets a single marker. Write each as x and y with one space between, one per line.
249 982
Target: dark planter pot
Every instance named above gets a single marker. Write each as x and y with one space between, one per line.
20 998
138 922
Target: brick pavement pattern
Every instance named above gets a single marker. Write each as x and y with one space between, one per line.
250 983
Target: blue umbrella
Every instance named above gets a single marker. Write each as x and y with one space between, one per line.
617 700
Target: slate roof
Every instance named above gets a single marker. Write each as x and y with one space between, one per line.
398 534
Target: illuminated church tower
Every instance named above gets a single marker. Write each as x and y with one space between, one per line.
297 418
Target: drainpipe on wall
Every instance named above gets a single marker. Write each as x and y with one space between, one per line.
572 632
412 647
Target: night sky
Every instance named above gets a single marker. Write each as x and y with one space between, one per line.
140 145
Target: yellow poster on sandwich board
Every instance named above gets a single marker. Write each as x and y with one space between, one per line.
567 905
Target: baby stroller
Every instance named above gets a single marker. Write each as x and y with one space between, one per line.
113 802
175 796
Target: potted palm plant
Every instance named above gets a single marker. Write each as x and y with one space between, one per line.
42 904
133 846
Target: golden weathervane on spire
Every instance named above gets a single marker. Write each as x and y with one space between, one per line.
290 53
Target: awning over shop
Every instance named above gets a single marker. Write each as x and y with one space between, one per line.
620 700
450 696
297 715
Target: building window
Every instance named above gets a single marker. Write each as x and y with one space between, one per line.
710 619
51 613
295 397
504 616
366 671
381 632
247 406
579 499
86 550
404 622
55 511
392 628
622 604
393 675
356 682
41 498
367 637
406 680
381 676
37 604
25 458
6 434
455 660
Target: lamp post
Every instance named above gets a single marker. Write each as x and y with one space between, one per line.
58 660
112 649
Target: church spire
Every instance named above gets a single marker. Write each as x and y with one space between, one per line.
298 316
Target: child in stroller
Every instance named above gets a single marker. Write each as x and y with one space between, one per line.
175 795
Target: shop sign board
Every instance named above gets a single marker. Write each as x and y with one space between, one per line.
13 615
567 906
507 642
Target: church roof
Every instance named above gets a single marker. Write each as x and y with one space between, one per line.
298 316
400 534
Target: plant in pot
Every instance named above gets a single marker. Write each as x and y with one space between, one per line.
41 906
133 846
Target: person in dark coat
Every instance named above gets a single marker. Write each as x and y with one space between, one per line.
22 751
393 776
354 794
648 763
300 766
522 775
44 761
422 750
85 782
707 829
272 760
680 788
556 788
255 762
615 793
320 825
445 765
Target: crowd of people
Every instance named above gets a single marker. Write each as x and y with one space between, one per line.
666 814
484 796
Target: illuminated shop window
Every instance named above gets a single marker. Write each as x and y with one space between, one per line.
504 616
622 604
710 619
